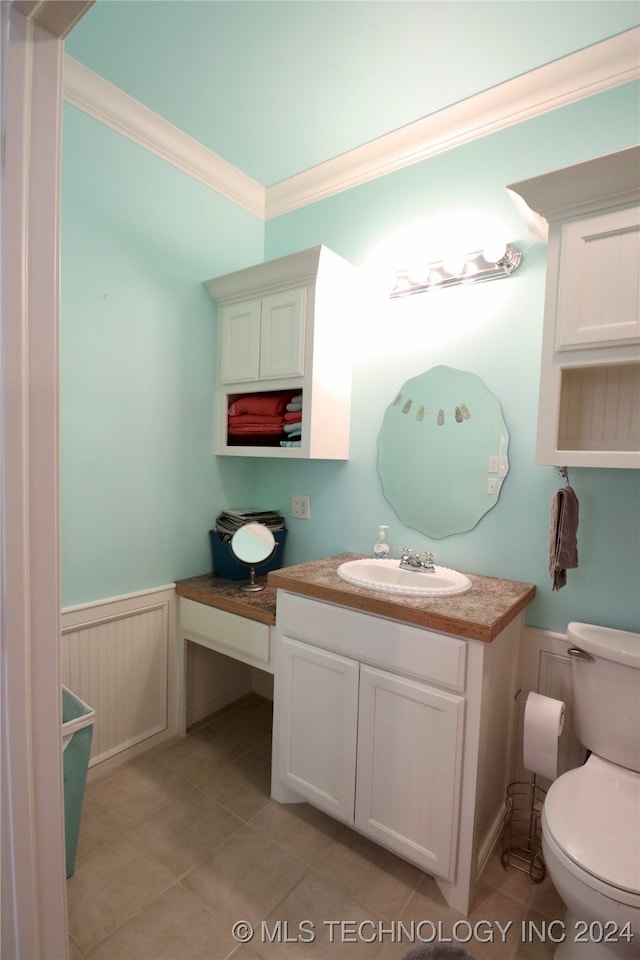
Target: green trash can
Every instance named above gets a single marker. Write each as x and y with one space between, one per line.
77 730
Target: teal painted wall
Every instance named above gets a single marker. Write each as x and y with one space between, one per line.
493 330
140 484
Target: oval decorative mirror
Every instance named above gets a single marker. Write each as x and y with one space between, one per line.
442 452
251 544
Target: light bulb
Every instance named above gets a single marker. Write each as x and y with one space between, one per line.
494 251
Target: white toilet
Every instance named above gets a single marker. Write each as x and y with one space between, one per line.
591 815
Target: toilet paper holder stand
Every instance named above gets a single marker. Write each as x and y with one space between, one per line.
522 828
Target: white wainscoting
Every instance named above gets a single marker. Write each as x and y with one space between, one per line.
120 656
545 667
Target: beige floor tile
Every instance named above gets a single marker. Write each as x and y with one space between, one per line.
248 723
327 924
75 952
97 829
200 754
535 940
243 785
187 830
240 702
509 880
245 878
263 748
174 927
299 828
546 900
496 920
426 919
136 790
246 952
181 811
109 888
376 877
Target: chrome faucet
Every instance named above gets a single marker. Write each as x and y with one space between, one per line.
421 562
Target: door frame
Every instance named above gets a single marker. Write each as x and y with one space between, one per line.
34 921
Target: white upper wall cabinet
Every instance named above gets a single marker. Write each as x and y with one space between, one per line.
589 405
599 280
284 342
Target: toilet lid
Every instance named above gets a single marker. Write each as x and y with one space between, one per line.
593 815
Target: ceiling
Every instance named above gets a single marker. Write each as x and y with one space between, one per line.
276 87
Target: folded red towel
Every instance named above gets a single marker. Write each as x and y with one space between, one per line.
249 419
294 417
267 405
253 428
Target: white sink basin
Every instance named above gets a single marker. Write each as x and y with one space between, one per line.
386 575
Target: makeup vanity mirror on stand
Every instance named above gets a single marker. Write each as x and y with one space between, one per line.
443 452
253 543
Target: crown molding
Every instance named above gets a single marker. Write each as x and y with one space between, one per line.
594 70
105 102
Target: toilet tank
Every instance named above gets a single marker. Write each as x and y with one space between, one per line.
606 691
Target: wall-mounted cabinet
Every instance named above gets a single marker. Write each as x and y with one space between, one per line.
284 359
589 406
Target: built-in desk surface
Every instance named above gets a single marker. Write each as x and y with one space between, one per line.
226 595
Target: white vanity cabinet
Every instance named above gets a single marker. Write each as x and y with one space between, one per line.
285 325
380 751
589 406
391 728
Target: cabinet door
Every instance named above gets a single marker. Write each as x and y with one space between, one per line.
282 334
599 280
239 342
409 761
317 730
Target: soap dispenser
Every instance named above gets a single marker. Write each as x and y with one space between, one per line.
381 547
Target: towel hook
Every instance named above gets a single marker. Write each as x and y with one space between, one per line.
564 473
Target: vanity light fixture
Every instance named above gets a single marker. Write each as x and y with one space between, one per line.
495 261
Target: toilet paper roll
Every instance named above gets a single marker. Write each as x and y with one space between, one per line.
543 722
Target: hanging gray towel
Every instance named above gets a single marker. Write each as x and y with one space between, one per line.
563 543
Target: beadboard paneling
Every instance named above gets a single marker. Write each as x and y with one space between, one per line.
118 656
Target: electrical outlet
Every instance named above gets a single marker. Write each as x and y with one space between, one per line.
492 485
300 507
493 464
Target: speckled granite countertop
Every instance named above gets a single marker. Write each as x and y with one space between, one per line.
480 614
227 595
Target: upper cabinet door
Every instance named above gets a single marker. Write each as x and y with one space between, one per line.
282 334
240 341
599 280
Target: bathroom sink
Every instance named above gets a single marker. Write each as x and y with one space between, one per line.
388 576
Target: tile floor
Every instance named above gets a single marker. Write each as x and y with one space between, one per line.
183 842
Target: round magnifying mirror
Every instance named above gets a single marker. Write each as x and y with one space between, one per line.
252 544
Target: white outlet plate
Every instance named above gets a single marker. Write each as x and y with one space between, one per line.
493 464
300 506
492 485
